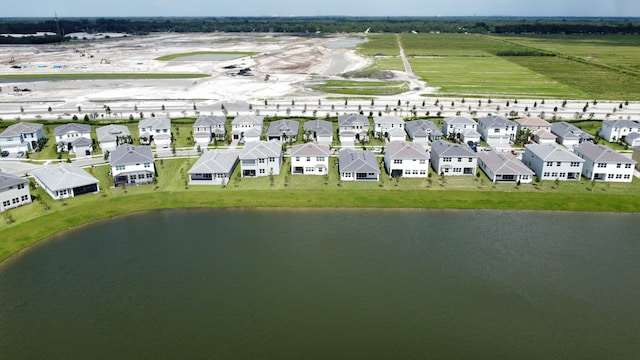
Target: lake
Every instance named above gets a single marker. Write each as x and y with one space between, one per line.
334 283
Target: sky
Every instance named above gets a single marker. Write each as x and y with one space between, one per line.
127 8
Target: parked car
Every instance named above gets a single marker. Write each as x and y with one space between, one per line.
20 154
5 153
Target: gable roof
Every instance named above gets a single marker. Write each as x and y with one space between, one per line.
352 119
504 163
405 150
552 152
422 128
532 121
631 137
387 119
130 154
310 149
111 132
621 123
261 150
600 153
215 162
63 176
442 148
320 127
566 130
544 134
81 141
21 128
495 121
350 160
8 180
160 122
252 119
278 127
455 120
209 121
71 127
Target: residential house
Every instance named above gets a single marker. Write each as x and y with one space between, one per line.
310 159
470 135
358 165
604 164
387 126
570 135
156 131
243 123
453 159
636 157
22 136
404 159
504 167
533 124
214 167
423 131
497 132
352 128
110 136
551 162
321 131
261 158
74 139
65 180
632 139
207 129
544 137
132 165
452 126
615 130
283 130
14 191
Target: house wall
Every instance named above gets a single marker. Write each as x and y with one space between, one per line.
411 168
524 179
454 166
351 176
311 165
262 166
14 196
552 170
216 178
614 133
448 128
13 144
108 146
612 172
133 168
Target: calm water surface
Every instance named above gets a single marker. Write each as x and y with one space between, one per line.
351 284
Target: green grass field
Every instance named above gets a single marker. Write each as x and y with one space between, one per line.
369 87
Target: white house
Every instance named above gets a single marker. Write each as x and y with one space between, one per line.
283 130
14 192
551 162
455 125
470 135
569 135
320 131
207 129
544 137
214 167
74 139
453 159
423 131
110 136
383 125
65 180
497 132
633 139
404 159
132 165
156 130
22 136
261 158
243 123
352 128
310 159
614 130
358 165
504 167
604 164
636 157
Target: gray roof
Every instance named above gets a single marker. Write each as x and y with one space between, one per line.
215 162
63 176
352 120
405 150
310 149
261 150
111 132
387 119
210 121
495 122
544 134
279 127
422 128
566 130
622 123
71 127
631 137
252 119
552 152
8 180
459 120
350 160
160 122
504 163
600 153
81 141
320 127
21 128
126 154
442 148
532 121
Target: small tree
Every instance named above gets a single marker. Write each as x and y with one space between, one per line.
49 109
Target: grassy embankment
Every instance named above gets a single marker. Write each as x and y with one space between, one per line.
194 53
105 76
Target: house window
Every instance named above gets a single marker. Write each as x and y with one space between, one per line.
496 130
308 158
20 186
221 175
397 161
457 170
15 200
610 176
558 163
272 159
470 159
119 167
407 172
297 158
627 166
6 203
602 165
308 169
563 175
447 159
546 174
346 175
423 172
618 166
554 174
147 165
415 172
459 159
627 177
575 164
320 158
24 197
261 171
549 163
260 161
618 176
149 175
423 161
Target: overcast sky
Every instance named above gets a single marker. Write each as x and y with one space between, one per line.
109 8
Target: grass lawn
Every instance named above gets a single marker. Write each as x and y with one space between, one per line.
373 88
